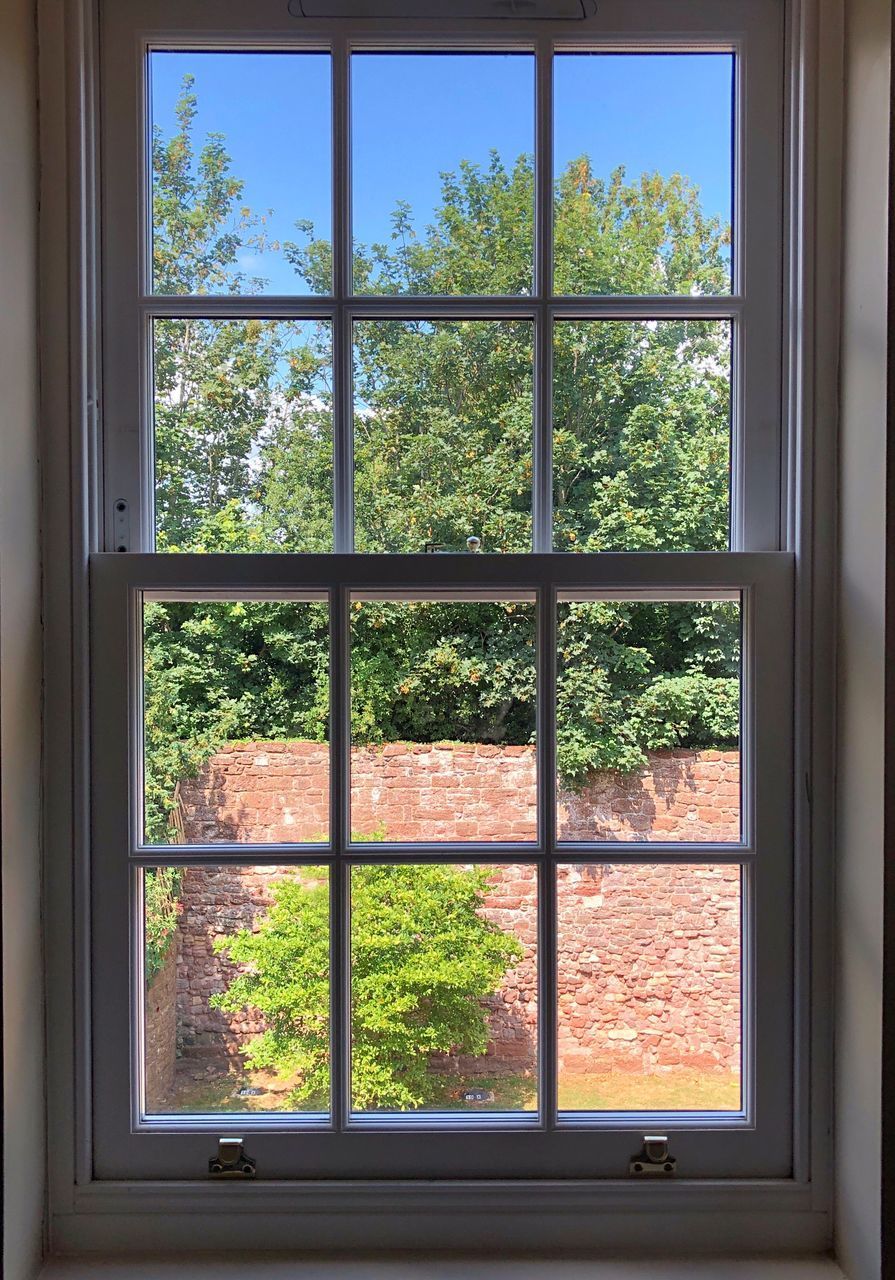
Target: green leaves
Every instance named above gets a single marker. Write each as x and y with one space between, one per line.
637 677
218 672
641 435
423 958
286 978
161 896
647 236
243 435
442 672
443 434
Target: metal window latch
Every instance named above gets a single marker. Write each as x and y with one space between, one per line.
654 1160
231 1161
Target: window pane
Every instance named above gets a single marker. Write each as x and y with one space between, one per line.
442 435
237 989
444 988
643 147
442 172
243 435
241 173
235 721
648 720
443 701
641 435
649 988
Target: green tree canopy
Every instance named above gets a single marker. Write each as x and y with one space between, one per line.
443 449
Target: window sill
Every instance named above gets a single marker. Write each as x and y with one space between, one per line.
679 1217
409 1267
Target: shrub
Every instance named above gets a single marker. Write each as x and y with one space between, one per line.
423 958
161 897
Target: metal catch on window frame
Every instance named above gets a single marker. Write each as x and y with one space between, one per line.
231 1160
655 1159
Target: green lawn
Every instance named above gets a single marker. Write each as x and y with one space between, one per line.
674 1091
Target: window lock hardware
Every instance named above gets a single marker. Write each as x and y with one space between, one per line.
121 521
231 1161
654 1160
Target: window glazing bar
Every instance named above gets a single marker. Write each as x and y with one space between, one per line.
542 450
340 749
343 375
547 931
626 574
441 306
276 855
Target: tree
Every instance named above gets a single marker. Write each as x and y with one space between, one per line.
442 450
423 958
232 397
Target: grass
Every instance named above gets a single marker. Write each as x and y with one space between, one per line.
215 1093
672 1091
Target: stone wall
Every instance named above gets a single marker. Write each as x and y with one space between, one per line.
279 791
649 956
162 1014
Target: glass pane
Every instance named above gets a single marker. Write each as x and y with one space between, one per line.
649 988
643 148
237 989
235 721
442 172
243 435
444 988
443 702
442 435
641 435
648 720
241 172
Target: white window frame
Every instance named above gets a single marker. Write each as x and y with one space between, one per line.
89 1208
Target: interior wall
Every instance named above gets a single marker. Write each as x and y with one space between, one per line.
20 650
861 639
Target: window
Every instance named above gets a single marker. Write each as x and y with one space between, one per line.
443 817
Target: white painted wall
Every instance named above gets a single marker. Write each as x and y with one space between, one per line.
859 838
20 649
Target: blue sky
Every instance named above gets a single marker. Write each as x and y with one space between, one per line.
414 115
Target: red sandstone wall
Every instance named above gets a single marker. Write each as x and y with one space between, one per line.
649 956
649 968
275 791
161 1030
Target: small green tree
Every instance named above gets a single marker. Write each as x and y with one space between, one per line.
423 959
